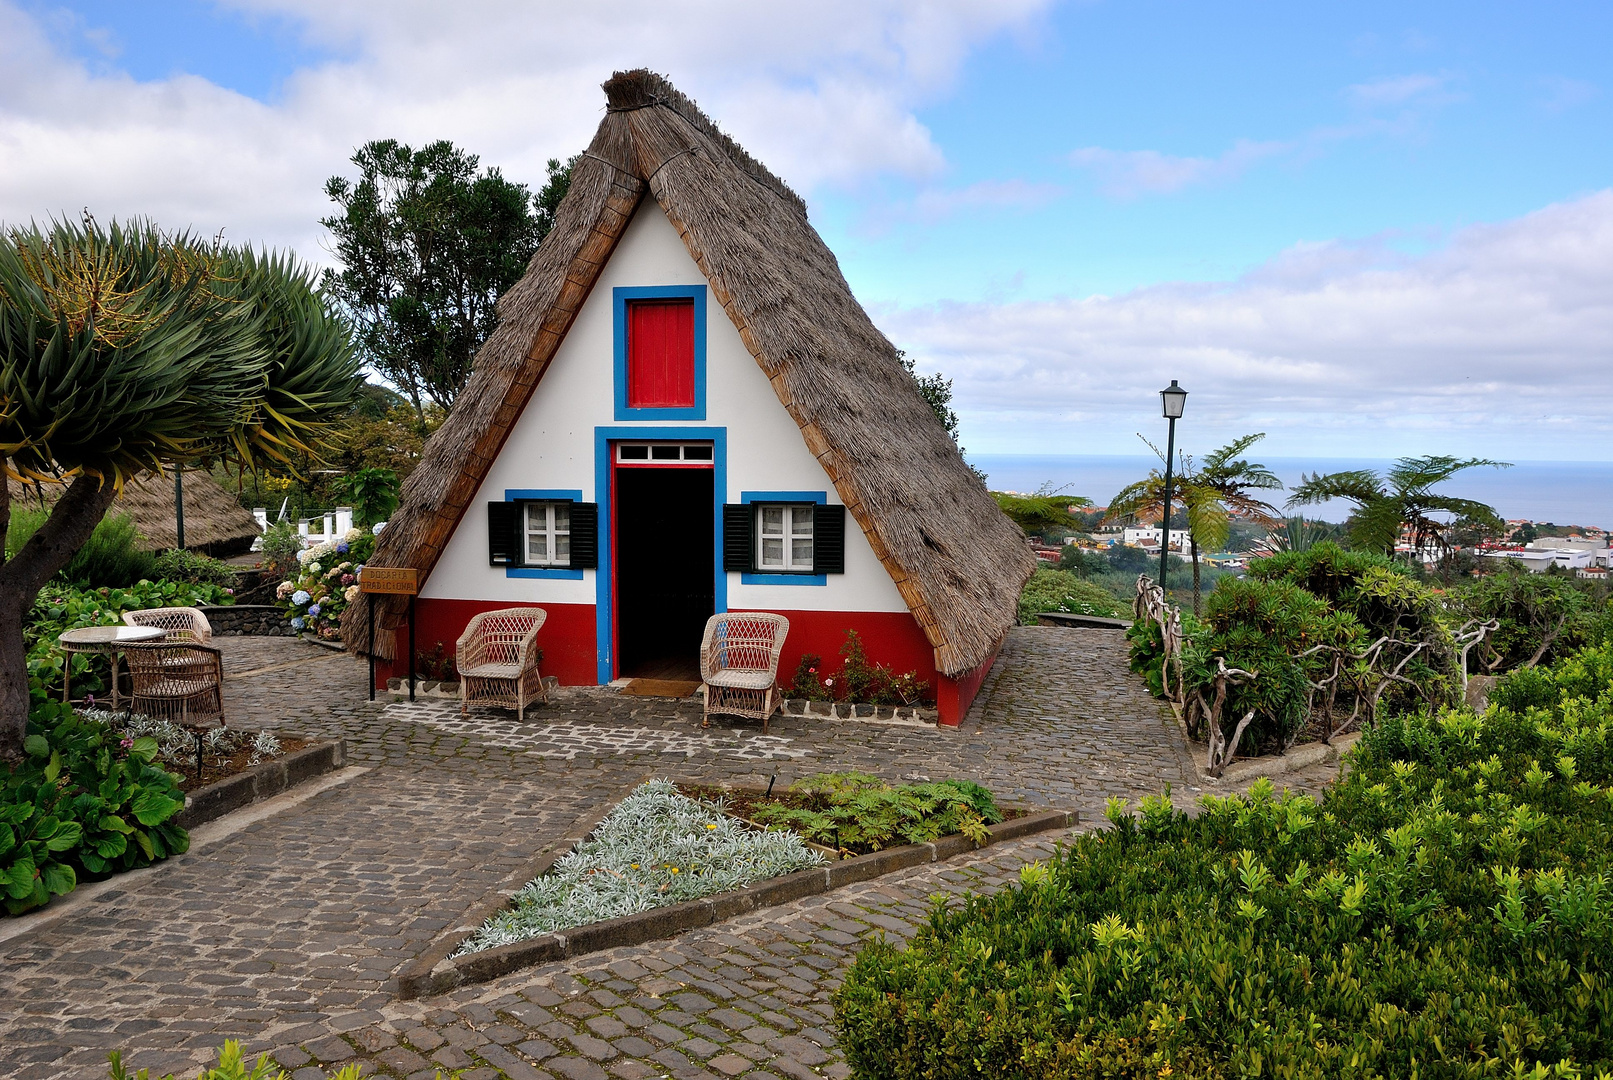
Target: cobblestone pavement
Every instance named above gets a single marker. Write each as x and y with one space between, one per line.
286 934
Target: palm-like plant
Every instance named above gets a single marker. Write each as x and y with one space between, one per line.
1402 500
124 350
1214 493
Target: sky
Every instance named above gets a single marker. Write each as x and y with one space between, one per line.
1367 229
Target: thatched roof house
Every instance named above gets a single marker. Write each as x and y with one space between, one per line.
663 210
215 522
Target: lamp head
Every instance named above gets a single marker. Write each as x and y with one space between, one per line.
1174 400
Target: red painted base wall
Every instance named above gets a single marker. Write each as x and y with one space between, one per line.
892 638
566 637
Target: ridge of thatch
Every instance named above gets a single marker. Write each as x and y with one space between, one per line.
957 561
215 522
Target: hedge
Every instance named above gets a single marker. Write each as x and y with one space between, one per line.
1443 912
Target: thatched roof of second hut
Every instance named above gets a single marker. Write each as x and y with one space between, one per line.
215 522
958 562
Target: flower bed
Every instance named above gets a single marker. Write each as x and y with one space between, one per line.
655 849
325 582
857 814
225 750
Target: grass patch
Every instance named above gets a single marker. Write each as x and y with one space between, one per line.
656 848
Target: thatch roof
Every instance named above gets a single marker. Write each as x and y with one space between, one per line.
214 521
958 562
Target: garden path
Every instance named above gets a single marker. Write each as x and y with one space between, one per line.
286 934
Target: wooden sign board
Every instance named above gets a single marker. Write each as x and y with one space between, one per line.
389 580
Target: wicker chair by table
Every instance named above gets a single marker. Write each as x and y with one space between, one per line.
182 623
179 681
497 657
739 664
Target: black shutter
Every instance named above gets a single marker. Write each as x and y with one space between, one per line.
737 544
504 533
584 536
828 539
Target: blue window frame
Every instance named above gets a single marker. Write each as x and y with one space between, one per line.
543 494
604 605
818 497
619 299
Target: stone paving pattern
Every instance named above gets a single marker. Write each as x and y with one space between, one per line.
287 935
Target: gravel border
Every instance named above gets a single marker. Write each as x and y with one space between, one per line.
435 971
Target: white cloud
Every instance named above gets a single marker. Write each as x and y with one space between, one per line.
1126 174
1400 90
1498 343
824 93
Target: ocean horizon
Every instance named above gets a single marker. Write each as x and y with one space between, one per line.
1561 492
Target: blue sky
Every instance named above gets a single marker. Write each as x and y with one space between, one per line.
1369 229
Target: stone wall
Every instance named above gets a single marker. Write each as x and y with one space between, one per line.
234 620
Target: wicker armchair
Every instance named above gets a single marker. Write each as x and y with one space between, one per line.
739 664
179 681
497 657
182 623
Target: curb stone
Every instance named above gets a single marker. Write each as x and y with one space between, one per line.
436 972
260 782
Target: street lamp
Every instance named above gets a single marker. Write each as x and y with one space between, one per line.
1173 399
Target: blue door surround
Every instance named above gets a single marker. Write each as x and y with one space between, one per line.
605 578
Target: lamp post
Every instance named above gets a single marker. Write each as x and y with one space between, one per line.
1173 399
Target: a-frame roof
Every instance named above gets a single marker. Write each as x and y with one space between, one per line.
957 561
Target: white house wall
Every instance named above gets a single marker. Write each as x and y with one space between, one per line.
552 445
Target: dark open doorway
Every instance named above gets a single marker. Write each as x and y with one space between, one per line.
665 581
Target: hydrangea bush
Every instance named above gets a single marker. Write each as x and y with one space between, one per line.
325 582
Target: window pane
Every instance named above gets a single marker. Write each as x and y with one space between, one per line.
801 554
772 552
562 548
802 521
635 453
562 517
537 547
535 516
773 520
664 453
697 453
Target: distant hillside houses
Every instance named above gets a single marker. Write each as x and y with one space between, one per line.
1144 537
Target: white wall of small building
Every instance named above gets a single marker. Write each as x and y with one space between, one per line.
552 445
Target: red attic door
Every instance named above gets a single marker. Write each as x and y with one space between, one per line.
660 353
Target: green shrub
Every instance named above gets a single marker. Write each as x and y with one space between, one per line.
191 568
858 812
1542 616
81 801
1446 911
1061 590
112 557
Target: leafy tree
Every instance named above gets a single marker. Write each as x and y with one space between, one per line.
428 244
936 390
1402 499
1045 509
374 494
126 351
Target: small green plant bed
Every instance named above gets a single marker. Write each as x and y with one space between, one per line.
84 800
656 848
225 750
855 813
1445 911
1061 590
